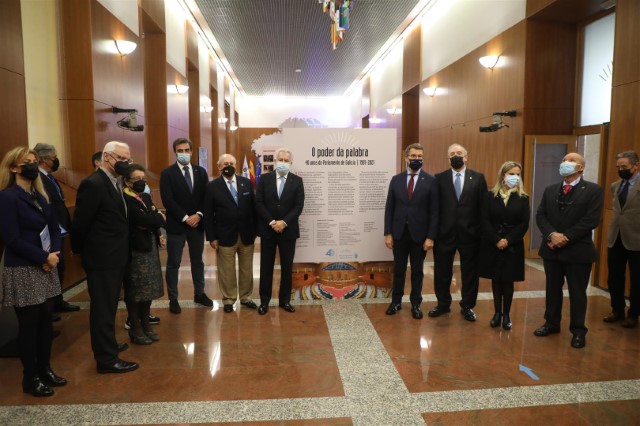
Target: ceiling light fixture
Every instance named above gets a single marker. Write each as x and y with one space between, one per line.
222 120
177 89
394 111
125 47
233 128
489 62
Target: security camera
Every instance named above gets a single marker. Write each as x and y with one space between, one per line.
130 122
497 121
510 113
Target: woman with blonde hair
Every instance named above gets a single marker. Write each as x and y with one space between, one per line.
31 236
504 221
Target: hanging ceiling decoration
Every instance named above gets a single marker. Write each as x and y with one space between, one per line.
339 14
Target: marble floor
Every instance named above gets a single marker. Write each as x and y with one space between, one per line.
342 362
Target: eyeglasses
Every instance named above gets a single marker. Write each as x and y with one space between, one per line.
120 158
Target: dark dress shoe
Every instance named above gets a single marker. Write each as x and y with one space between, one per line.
122 347
468 314
66 307
152 335
52 379
506 322
55 317
174 306
287 307
153 320
228 308
249 304
614 317
36 387
118 366
545 330
630 322
416 312
140 340
495 321
55 333
263 309
578 341
203 300
438 310
394 308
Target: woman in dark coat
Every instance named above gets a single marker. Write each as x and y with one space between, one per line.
143 277
504 221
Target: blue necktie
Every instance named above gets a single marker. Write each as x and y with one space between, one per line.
187 177
55 182
234 193
458 186
281 187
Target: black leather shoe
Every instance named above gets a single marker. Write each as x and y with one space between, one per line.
468 314
394 308
614 317
203 300
152 335
506 322
438 310
66 307
287 307
153 320
36 387
545 330
249 304
118 366
578 341
122 347
55 317
52 379
174 306
140 340
416 312
495 321
228 308
263 309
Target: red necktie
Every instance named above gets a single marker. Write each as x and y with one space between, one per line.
566 189
410 188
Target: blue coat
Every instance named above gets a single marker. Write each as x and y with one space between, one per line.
20 225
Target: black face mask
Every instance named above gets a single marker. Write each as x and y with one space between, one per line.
56 165
457 162
415 165
138 186
30 171
121 168
625 174
229 171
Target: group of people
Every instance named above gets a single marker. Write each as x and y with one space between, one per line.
454 211
116 229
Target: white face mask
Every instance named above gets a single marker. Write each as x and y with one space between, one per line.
282 168
567 168
512 180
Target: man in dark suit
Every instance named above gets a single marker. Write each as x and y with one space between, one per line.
100 234
462 192
624 241
182 188
229 219
48 163
410 226
279 203
568 213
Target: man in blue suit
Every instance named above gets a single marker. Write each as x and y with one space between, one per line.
229 216
410 226
182 188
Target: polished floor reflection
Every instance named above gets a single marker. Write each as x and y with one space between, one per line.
341 363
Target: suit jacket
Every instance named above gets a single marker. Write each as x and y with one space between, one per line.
288 208
420 214
56 198
460 220
100 228
144 222
578 220
224 220
20 225
177 199
499 221
625 219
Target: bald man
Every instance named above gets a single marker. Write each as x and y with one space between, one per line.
568 213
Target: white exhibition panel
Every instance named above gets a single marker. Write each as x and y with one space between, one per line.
346 175
126 11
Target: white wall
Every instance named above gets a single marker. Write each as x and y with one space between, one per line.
386 78
176 43
125 10
272 111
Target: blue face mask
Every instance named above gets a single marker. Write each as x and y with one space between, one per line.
184 159
512 180
567 168
282 168
147 190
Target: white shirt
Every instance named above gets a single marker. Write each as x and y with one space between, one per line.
462 172
190 170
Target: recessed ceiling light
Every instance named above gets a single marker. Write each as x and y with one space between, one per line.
298 70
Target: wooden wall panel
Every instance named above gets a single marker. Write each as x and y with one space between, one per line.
154 13
11 56
411 59
178 110
155 96
194 107
13 109
246 137
569 11
626 55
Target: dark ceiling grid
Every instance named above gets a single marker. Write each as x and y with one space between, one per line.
266 40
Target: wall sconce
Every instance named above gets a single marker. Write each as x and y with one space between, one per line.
489 62
206 108
430 91
125 47
375 120
233 128
222 119
177 89
394 111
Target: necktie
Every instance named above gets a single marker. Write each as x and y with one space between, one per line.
457 184
234 193
120 189
55 183
622 195
187 177
281 187
566 189
410 187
